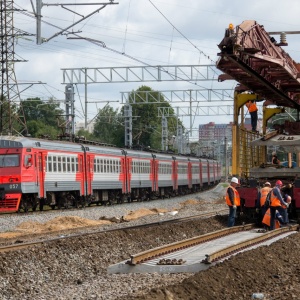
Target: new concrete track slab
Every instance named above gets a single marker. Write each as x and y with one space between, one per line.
192 256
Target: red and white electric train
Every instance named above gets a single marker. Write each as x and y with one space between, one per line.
37 172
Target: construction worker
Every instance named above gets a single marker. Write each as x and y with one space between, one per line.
275 160
252 108
267 219
262 195
286 192
277 203
233 200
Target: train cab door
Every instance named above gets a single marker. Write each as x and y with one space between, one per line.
125 173
40 165
89 173
175 174
154 175
81 172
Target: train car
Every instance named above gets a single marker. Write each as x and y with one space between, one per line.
36 172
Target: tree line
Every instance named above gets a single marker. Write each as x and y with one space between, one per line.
47 118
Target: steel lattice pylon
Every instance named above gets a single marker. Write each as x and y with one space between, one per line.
12 119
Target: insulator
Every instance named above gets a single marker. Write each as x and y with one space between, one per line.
283 38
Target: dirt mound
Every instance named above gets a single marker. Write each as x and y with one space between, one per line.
57 224
159 210
189 202
142 212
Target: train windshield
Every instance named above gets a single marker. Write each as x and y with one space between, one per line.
9 160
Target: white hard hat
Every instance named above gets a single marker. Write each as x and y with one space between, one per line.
267 183
234 180
273 153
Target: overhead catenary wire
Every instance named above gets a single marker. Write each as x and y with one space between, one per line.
103 45
181 32
125 35
124 54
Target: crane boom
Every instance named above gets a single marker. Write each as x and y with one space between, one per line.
254 59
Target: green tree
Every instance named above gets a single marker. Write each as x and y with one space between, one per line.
109 126
43 118
8 117
147 125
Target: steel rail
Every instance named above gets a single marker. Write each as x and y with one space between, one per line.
159 251
248 243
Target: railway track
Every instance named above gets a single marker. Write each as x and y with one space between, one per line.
19 244
186 255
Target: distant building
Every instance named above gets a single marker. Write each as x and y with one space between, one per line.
80 125
215 132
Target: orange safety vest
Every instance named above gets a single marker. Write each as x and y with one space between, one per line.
274 200
267 219
263 195
237 200
251 106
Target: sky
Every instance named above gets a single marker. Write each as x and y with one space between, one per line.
137 33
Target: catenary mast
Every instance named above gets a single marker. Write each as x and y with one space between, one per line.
12 119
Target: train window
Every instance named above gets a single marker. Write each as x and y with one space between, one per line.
59 163
73 164
95 165
64 167
28 161
68 164
161 168
49 164
9 160
76 165
101 166
54 164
